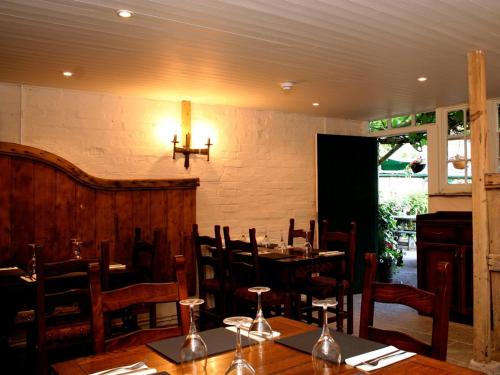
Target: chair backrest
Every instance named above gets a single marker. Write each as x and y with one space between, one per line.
118 299
144 254
62 301
435 304
213 261
301 233
343 241
242 273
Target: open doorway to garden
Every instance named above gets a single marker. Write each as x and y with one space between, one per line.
403 184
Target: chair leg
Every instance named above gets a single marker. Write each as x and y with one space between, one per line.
350 312
152 315
340 309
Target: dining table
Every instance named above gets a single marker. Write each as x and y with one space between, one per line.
269 357
282 269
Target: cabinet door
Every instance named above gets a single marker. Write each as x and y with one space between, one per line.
428 257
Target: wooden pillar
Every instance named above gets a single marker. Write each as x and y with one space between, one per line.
479 139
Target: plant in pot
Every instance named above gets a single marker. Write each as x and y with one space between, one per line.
390 256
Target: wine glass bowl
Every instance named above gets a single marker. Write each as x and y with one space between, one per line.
326 354
239 366
76 248
194 350
260 327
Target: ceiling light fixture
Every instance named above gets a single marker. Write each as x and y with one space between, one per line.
67 73
315 104
124 13
422 79
286 86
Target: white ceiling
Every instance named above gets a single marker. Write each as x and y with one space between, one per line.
359 59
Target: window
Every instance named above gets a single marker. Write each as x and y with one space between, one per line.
458 147
418 119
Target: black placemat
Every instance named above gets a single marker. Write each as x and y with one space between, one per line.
349 345
218 340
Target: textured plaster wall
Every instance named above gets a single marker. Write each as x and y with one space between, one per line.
262 164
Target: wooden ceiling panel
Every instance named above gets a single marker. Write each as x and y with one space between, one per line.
359 58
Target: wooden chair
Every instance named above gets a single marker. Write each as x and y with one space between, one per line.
246 274
300 233
212 278
435 304
341 281
144 255
62 312
118 299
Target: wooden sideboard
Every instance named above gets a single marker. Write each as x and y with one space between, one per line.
45 199
447 236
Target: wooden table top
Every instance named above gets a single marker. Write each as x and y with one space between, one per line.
268 358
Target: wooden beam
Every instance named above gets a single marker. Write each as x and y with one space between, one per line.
479 138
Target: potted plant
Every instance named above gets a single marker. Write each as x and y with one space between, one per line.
390 256
417 165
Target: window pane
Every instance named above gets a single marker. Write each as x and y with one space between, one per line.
456 124
377 125
459 151
425 118
401 121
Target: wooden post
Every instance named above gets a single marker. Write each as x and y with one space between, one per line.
479 139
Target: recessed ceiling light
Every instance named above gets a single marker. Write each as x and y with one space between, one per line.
67 74
316 104
124 13
422 79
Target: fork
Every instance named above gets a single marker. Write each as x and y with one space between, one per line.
375 361
134 366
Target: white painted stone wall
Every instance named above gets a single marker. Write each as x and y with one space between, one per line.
262 165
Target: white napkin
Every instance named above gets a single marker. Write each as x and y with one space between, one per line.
244 332
143 370
28 279
330 253
355 361
8 268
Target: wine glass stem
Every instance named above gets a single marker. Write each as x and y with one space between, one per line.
238 354
326 331
192 326
259 305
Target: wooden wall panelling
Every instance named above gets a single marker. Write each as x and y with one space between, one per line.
22 208
6 251
45 206
158 219
124 226
105 220
86 220
174 228
189 216
70 203
141 213
65 217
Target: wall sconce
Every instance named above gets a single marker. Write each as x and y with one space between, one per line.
186 129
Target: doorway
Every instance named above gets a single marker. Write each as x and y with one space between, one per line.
403 188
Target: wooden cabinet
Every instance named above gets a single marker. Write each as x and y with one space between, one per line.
447 237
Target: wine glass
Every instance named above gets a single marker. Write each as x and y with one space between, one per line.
239 366
260 326
266 241
326 352
31 268
307 247
75 247
282 245
194 350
